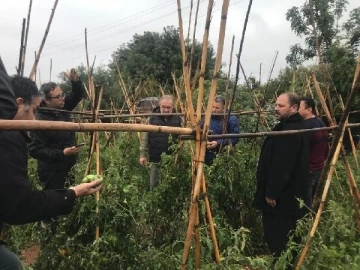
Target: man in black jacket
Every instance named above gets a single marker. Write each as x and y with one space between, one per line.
55 150
282 175
19 203
157 143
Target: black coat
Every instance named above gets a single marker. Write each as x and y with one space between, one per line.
282 172
19 203
47 146
159 141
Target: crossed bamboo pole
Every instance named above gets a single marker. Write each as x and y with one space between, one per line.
201 147
37 59
331 162
351 180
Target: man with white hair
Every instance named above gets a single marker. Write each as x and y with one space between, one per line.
156 143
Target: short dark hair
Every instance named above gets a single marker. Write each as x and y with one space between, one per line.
294 99
309 103
24 88
220 99
46 88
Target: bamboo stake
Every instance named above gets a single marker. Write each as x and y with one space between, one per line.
98 166
352 183
31 76
26 38
35 70
197 238
50 68
333 155
227 95
185 67
189 26
82 127
271 70
200 165
194 34
210 220
19 68
198 118
353 148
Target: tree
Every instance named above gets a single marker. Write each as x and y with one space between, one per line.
317 21
156 55
352 28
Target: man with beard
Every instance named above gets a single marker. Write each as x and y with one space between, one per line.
282 175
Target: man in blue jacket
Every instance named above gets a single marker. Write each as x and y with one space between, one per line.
220 124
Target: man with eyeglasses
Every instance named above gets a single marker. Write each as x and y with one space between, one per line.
19 202
56 151
157 143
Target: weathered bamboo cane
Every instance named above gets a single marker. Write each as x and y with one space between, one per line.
186 75
98 165
194 35
353 147
50 68
35 70
51 125
200 165
26 39
189 25
227 95
350 176
333 155
19 68
31 76
271 70
198 119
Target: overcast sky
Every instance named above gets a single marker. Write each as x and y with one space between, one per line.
111 23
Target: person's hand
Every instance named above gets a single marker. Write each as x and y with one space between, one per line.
212 144
72 75
70 151
142 161
86 189
271 202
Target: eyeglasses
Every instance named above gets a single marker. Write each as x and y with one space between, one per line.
61 96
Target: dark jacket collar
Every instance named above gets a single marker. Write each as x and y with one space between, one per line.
292 118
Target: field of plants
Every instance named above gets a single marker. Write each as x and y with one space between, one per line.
140 229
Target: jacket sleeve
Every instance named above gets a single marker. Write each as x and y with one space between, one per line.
73 99
233 128
8 105
285 151
39 149
40 205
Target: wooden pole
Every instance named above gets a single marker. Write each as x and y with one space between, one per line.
26 38
194 35
331 161
19 68
186 75
200 165
227 94
32 73
50 68
98 165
